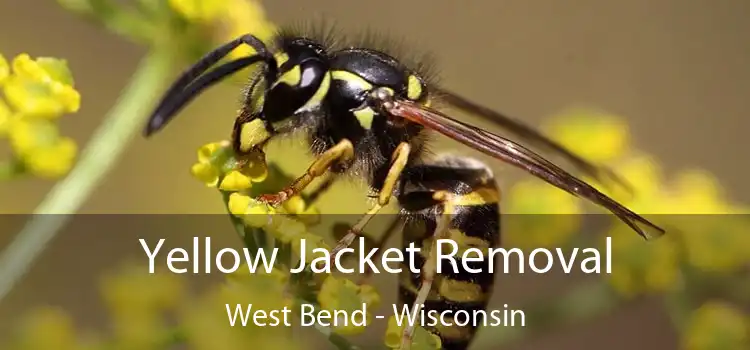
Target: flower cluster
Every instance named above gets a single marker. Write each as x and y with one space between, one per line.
711 243
705 237
717 325
162 313
343 294
287 225
37 92
189 28
232 18
206 321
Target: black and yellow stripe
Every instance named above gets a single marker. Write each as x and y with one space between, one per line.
475 223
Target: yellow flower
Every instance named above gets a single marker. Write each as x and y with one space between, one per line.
312 242
207 152
44 69
54 161
698 192
259 215
233 17
422 339
596 136
138 301
640 267
133 288
715 243
37 92
41 148
41 88
714 239
215 161
4 69
287 229
211 159
644 175
252 212
48 328
238 204
6 116
206 325
297 206
294 205
716 325
343 294
206 173
277 278
540 215
199 10
244 17
235 181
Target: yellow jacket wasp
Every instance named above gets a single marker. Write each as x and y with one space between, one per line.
366 114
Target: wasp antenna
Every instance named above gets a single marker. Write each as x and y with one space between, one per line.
186 87
169 107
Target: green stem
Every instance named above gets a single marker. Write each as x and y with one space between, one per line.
99 157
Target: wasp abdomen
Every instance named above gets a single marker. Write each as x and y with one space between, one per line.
457 295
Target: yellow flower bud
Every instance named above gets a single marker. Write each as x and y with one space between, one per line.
312 242
42 87
257 214
310 216
199 10
5 118
207 151
700 193
4 69
551 215
69 98
247 17
596 136
26 135
24 66
40 99
343 294
205 173
53 161
235 181
288 229
643 268
369 295
294 205
279 276
716 243
238 204
57 327
717 325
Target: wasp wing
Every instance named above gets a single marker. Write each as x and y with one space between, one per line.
517 155
526 133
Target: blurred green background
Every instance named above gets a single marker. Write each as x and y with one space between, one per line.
675 70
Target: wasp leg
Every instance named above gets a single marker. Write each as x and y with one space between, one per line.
322 189
429 269
398 163
340 153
